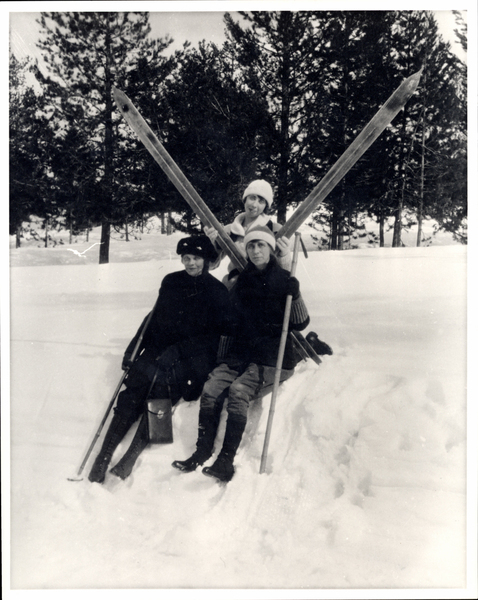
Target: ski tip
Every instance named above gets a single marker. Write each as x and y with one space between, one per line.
121 99
411 82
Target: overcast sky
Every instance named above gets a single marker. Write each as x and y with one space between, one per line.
181 26
193 26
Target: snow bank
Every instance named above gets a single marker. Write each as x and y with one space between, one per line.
366 478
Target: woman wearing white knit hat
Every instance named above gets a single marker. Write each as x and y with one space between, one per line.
257 198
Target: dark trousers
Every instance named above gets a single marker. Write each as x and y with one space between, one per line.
184 379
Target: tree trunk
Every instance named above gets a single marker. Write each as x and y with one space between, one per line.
18 236
285 75
341 222
340 231
422 176
422 185
397 225
108 176
105 242
46 233
163 223
381 230
334 228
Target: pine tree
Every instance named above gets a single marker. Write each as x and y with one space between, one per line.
446 201
431 124
402 170
213 128
279 54
86 54
27 175
353 84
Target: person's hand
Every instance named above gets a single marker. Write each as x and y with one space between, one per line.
283 246
293 288
127 362
169 357
211 233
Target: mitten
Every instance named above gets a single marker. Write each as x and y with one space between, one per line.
293 288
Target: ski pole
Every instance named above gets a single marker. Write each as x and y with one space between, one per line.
116 392
280 358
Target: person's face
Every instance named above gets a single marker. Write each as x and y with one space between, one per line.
259 253
193 264
254 205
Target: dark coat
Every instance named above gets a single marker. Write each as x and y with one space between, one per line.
258 303
188 319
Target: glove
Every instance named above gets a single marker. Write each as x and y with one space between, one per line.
283 246
211 233
170 356
293 288
127 362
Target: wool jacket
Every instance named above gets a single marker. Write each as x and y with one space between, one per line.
258 303
191 311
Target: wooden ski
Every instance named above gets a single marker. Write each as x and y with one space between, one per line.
175 175
357 149
348 159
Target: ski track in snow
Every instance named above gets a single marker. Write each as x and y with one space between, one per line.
365 478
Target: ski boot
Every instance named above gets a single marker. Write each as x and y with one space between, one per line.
117 430
223 468
141 439
207 429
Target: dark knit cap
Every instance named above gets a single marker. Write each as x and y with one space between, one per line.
199 245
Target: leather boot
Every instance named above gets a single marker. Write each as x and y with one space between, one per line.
223 468
208 424
141 439
117 430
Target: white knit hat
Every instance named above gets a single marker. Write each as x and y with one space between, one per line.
260 233
260 188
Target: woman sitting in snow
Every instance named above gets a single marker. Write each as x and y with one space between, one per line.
247 360
257 200
179 346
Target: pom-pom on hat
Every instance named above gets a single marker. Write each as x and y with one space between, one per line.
199 245
260 233
260 187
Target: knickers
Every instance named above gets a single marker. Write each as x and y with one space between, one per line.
255 381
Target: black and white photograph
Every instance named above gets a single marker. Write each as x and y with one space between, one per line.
237 328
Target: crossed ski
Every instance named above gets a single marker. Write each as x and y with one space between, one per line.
348 159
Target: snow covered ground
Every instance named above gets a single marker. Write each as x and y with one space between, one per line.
365 490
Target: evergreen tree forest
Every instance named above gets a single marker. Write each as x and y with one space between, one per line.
281 99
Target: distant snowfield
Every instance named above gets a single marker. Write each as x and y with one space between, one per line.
366 478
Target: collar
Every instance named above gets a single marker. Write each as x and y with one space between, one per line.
251 267
237 226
